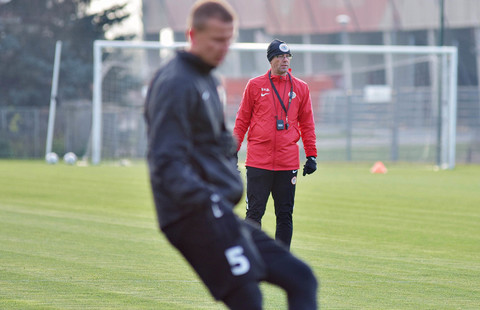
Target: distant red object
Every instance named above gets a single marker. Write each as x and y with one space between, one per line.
378 167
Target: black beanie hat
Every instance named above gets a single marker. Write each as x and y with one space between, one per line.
277 47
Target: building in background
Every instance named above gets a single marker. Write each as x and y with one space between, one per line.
364 22
379 22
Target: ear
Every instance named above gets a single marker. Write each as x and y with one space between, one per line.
190 34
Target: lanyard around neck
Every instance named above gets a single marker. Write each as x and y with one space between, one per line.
278 96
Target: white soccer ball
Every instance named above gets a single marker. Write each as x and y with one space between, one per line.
70 158
51 158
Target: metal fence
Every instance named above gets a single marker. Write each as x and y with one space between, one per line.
23 130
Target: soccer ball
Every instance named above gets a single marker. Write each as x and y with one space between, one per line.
70 158
51 158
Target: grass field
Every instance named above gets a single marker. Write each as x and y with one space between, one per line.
86 238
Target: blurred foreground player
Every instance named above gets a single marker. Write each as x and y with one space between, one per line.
194 179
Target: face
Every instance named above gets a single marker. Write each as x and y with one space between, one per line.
211 43
280 64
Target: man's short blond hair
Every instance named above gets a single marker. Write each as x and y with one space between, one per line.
204 10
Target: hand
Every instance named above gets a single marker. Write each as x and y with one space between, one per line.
310 166
235 160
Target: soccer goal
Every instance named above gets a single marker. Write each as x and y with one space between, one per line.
371 103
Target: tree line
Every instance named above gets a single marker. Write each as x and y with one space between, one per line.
28 32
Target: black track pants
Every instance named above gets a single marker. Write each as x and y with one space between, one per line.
282 269
203 247
260 183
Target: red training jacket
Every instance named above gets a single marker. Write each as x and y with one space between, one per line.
267 147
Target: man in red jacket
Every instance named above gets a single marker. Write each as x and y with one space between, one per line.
276 109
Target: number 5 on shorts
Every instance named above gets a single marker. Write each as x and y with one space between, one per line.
239 262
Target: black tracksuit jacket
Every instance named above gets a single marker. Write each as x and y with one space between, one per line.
190 151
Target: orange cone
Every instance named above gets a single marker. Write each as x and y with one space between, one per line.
378 167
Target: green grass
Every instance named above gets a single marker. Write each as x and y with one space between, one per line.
87 238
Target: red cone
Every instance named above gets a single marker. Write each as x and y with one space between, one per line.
378 167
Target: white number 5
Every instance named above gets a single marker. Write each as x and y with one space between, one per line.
239 262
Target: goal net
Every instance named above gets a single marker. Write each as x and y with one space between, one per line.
371 103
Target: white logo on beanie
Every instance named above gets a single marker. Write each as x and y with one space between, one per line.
284 48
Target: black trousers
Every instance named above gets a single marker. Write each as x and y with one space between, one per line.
206 248
281 184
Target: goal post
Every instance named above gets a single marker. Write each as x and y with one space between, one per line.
371 102
53 98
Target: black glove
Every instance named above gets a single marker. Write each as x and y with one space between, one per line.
235 160
310 166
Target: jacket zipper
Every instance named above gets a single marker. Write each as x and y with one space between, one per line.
274 141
